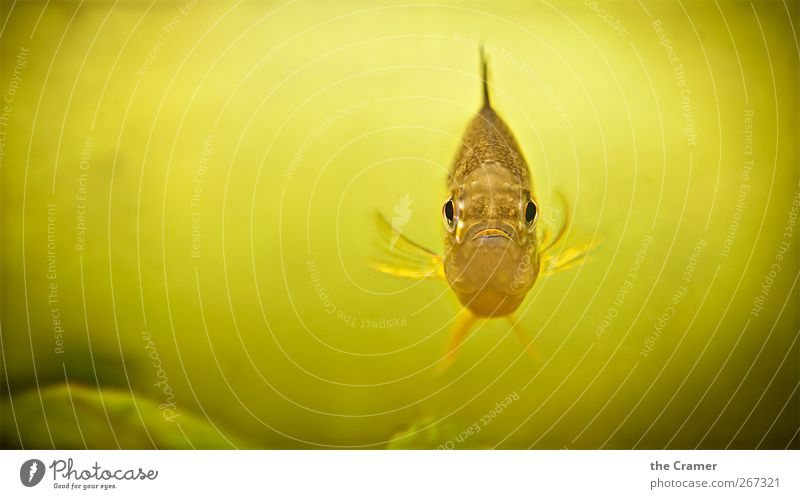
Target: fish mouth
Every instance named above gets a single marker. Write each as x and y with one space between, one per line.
489 231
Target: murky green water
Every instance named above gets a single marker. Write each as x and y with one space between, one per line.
188 201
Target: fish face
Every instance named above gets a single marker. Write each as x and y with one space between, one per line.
491 261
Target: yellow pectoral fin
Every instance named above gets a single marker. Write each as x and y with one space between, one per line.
553 261
433 271
404 257
549 239
568 258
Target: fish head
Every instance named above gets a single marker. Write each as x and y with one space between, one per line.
491 259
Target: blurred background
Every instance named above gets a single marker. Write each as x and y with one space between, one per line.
188 200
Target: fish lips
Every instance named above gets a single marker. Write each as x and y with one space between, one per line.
492 231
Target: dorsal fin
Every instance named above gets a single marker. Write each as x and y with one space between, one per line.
485 78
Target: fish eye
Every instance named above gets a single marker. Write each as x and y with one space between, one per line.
530 212
449 213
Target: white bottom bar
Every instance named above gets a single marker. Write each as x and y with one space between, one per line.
403 474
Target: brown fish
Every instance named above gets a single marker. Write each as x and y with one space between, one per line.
494 247
491 257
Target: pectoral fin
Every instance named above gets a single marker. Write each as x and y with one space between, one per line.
403 257
568 258
561 230
553 260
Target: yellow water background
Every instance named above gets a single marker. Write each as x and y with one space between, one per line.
188 199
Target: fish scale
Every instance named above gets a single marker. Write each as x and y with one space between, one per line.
488 139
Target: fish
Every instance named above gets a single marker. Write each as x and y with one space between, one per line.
495 247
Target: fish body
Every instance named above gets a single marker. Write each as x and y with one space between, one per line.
491 249
494 248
